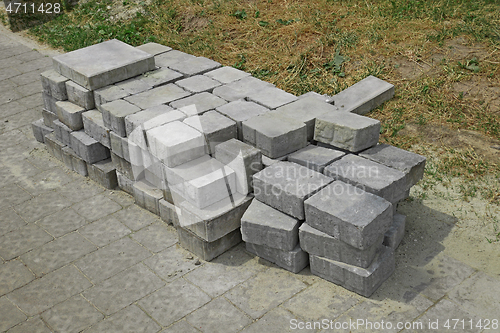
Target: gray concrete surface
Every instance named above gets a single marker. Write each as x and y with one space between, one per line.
77 257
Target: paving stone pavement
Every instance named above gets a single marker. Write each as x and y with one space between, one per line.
76 257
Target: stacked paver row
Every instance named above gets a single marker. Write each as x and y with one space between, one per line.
225 157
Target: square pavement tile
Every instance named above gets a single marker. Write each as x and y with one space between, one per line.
375 310
123 289
277 320
129 320
217 314
112 259
80 190
264 291
57 253
104 231
49 290
444 313
122 198
136 217
73 315
479 294
62 222
180 326
166 312
32 325
10 315
13 274
40 206
10 221
321 300
96 207
225 272
13 195
22 240
436 278
156 237
171 263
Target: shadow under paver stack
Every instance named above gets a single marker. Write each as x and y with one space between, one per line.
226 157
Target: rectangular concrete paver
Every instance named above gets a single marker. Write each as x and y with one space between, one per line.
104 231
13 274
49 290
123 289
264 292
217 314
128 320
73 315
112 259
10 315
68 248
167 313
22 240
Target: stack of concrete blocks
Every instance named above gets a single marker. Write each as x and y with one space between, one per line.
224 157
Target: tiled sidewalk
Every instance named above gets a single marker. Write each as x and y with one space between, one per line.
76 257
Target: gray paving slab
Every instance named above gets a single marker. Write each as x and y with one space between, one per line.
277 320
198 103
180 326
13 274
172 263
80 95
135 218
10 315
226 74
49 290
47 181
160 95
335 211
241 110
215 127
32 325
446 312
194 66
156 237
271 287
69 248
294 260
402 160
315 158
128 320
154 48
271 97
286 185
171 57
275 135
102 64
112 259
216 314
104 231
72 315
198 84
167 313
225 272
123 289
478 295
364 96
388 183
80 190
22 240
330 301
9 221
96 207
